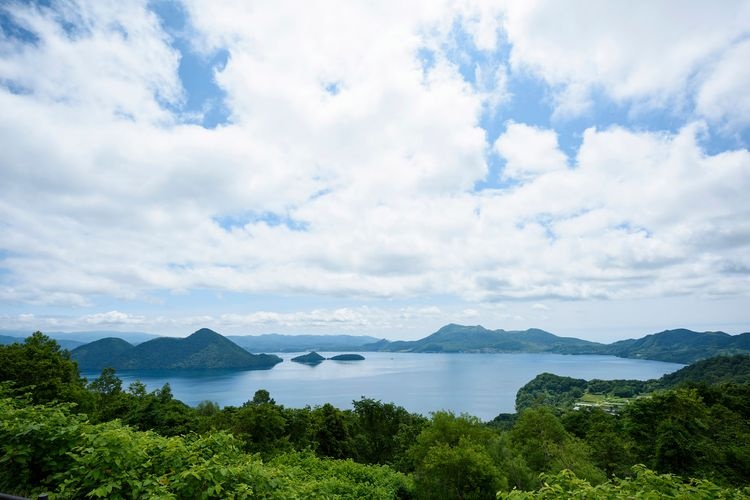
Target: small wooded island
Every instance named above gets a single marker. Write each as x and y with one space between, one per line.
312 358
348 357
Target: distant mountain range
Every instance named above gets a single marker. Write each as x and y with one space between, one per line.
274 342
270 342
204 349
71 340
679 346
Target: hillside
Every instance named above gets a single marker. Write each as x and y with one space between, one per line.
274 342
547 389
7 339
460 338
717 370
204 349
100 353
680 346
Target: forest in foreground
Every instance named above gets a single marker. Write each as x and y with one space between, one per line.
72 438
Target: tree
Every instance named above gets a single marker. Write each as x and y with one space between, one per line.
670 431
110 401
42 369
384 431
260 423
464 471
546 447
332 432
452 458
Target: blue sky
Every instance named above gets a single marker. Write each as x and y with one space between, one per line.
375 169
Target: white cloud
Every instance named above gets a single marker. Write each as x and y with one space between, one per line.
375 180
107 57
723 96
112 318
529 151
644 53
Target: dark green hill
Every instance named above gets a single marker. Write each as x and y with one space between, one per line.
312 358
717 370
680 346
204 349
460 338
100 353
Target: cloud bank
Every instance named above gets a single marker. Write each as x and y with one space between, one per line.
356 137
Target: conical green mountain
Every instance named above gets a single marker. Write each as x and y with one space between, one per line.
461 338
204 349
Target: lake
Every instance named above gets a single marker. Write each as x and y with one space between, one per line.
482 385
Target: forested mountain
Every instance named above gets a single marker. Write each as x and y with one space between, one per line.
677 346
680 346
460 338
202 350
274 342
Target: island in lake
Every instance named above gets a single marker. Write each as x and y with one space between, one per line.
348 357
312 358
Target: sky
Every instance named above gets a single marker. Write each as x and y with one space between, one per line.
377 168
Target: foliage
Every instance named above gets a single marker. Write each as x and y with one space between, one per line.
465 470
453 458
546 446
645 484
34 441
48 447
125 443
606 438
383 431
685 433
547 389
40 368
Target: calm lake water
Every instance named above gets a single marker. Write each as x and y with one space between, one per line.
479 384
